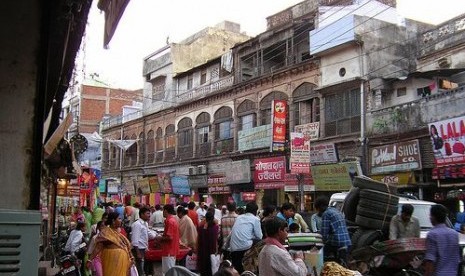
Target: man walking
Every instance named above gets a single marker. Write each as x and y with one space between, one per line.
442 255
140 235
334 231
170 239
156 219
246 229
404 225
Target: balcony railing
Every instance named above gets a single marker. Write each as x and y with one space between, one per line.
203 150
205 90
446 35
224 146
120 119
416 114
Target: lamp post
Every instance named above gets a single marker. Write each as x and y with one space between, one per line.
300 178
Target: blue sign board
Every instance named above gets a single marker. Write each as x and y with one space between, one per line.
180 185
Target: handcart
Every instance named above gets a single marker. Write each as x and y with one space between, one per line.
312 246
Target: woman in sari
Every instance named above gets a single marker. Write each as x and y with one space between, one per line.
113 248
208 242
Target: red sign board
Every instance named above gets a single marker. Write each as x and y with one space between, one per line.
269 172
248 196
448 140
278 122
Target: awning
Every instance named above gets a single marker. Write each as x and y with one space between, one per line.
113 9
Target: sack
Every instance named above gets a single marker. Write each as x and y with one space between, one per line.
133 271
250 259
167 263
191 262
215 260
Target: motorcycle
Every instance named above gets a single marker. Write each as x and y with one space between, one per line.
70 264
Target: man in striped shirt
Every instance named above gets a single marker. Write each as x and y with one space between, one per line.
334 231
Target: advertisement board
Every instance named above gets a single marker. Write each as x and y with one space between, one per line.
323 153
217 186
335 177
278 123
311 131
402 156
300 153
269 172
254 138
448 140
238 172
180 185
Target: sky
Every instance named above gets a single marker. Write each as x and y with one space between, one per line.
146 25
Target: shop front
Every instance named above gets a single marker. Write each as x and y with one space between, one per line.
295 184
268 178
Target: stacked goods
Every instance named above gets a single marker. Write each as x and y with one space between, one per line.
333 268
371 204
304 241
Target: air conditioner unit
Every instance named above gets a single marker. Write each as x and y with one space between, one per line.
202 169
192 170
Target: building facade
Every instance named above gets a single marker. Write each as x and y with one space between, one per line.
210 130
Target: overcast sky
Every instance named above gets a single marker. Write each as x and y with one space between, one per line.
146 24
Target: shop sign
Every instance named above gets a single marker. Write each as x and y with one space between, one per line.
335 177
198 181
238 172
129 186
153 184
73 189
295 188
180 185
300 153
324 153
269 172
165 182
113 185
143 186
254 138
402 156
248 196
278 124
102 186
448 139
311 131
398 178
292 184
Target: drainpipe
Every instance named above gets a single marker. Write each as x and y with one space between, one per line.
362 138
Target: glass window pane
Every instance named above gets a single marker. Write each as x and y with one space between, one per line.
247 121
225 130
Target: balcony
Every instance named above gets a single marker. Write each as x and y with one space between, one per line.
446 35
203 150
224 146
120 119
202 91
185 152
416 114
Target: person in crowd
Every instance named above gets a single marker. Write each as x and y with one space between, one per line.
226 269
224 210
208 237
203 221
135 213
462 228
245 230
192 213
442 255
294 228
201 211
97 213
303 226
78 216
218 214
187 229
227 222
156 219
315 222
287 212
120 210
87 219
170 239
274 259
113 248
76 238
94 226
268 212
95 265
404 225
140 236
240 210
334 231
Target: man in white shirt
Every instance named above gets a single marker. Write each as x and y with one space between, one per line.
201 211
140 235
75 238
156 219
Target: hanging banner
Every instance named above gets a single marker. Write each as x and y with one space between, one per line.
129 187
153 184
180 185
143 186
164 182
300 153
269 172
112 186
448 139
278 124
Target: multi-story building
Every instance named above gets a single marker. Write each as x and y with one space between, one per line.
208 127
